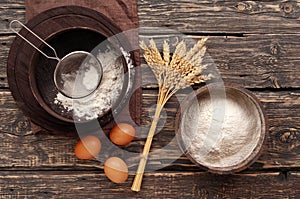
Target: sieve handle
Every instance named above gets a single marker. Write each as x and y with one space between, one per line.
15 31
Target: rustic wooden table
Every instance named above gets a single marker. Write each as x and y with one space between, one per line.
255 44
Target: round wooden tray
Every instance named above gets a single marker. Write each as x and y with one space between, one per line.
22 56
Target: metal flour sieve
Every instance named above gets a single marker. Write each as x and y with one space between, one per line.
77 75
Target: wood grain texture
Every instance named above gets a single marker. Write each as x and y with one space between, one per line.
227 17
121 12
67 184
53 151
9 10
259 49
256 61
253 61
5 43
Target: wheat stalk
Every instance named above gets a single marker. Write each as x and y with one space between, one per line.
183 70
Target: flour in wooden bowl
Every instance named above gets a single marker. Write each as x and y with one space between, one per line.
222 132
104 97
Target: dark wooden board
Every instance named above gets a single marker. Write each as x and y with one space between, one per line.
50 150
225 17
123 13
260 49
10 10
5 43
271 63
66 184
255 61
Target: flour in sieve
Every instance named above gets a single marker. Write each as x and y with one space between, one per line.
108 92
91 78
221 133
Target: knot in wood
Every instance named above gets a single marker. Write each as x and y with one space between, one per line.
288 136
290 9
287 7
241 6
22 126
275 49
272 61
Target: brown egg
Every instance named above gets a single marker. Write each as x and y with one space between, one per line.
88 148
122 134
116 170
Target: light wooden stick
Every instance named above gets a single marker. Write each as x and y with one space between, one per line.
137 182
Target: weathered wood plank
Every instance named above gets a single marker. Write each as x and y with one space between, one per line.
221 16
5 42
255 61
10 10
66 184
48 150
203 16
122 13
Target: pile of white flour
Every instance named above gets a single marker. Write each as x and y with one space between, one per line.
104 97
221 132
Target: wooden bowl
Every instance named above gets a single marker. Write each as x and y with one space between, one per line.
221 128
30 75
